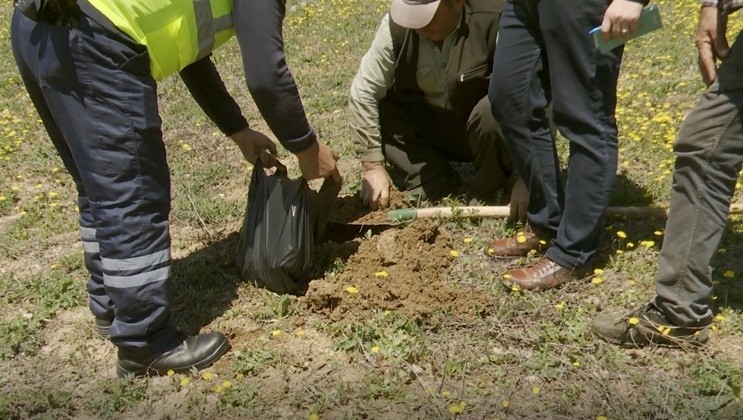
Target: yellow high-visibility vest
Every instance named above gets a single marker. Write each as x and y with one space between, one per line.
175 32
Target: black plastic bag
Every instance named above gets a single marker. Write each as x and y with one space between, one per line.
284 221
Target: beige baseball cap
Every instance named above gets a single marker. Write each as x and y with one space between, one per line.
413 14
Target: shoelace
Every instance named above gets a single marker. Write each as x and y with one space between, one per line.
544 266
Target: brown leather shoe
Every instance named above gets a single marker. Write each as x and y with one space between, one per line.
542 275
519 244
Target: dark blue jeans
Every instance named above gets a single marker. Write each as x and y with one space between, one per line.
98 103
545 55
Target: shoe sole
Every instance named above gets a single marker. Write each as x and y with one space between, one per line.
680 343
218 352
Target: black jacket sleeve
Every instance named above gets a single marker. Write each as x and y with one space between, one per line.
206 87
258 24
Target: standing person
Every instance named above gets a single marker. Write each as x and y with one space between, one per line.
545 54
90 68
709 153
419 100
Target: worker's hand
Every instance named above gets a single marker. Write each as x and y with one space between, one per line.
711 41
318 161
375 185
519 201
255 145
620 19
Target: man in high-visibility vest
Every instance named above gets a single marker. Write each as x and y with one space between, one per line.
90 68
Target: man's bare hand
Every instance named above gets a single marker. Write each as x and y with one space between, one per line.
620 19
318 161
375 185
519 201
711 42
255 145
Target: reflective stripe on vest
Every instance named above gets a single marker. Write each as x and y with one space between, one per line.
175 32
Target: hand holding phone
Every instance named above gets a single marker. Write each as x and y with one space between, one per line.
649 21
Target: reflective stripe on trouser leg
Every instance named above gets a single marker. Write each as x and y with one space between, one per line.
98 301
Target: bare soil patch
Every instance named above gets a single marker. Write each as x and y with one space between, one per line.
404 268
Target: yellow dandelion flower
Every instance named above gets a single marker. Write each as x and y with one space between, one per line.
619 251
207 376
299 332
171 372
39 186
491 251
598 271
352 289
218 389
457 408
597 280
560 305
542 242
713 328
630 244
516 288
381 274
633 320
227 384
621 234
719 317
507 276
658 233
454 253
239 377
536 390
445 393
375 349
520 238
602 418
467 240
52 194
506 403
576 363
313 416
722 250
648 244
185 381
275 333
3 198
729 274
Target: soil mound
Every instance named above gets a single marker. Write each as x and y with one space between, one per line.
404 269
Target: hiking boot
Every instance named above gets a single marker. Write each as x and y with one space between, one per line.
647 325
197 351
518 245
542 275
103 328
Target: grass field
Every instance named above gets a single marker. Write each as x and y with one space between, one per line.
530 355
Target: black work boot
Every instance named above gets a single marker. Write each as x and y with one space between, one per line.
197 351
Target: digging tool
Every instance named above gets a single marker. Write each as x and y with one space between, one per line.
341 232
408 215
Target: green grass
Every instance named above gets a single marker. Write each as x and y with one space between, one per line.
531 356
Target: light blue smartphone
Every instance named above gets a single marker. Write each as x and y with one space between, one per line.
648 22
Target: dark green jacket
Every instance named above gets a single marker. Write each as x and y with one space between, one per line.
470 60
